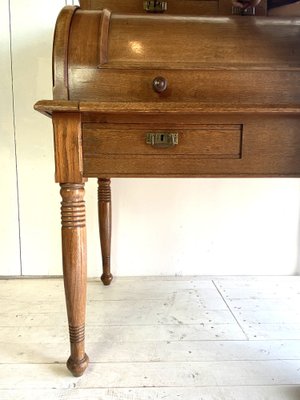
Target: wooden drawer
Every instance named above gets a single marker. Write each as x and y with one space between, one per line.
103 144
240 87
209 141
248 146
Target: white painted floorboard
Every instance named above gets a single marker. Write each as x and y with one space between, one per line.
199 338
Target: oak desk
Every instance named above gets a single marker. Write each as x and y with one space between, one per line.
143 96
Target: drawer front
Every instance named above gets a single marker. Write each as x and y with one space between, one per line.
249 146
122 150
199 86
197 141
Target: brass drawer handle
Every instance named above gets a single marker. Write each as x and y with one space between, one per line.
155 6
162 139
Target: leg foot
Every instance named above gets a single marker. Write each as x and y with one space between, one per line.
106 279
77 367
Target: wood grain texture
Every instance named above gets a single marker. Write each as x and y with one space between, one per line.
141 375
131 44
278 392
166 361
192 86
74 268
60 53
47 107
268 149
266 75
104 37
216 141
68 149
177 351
110 334
258 311
91 110
105 215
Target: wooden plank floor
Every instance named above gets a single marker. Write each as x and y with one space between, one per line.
199 338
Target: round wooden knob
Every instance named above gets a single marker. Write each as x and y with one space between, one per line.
159 84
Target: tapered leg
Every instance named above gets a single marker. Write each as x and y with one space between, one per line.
104 213
74 268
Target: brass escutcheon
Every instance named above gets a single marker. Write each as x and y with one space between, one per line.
155 6
162 139
242 11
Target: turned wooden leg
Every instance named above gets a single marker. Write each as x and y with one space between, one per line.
74 268
104 213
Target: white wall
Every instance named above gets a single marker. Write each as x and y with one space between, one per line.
32 25
9 229
193 226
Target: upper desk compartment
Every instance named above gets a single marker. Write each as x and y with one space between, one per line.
99 56
182 7
173 7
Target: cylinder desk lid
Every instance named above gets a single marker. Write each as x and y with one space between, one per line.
143 41
100 55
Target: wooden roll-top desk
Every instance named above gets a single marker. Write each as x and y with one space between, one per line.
164 96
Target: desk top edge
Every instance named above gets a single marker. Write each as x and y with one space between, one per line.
47 107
